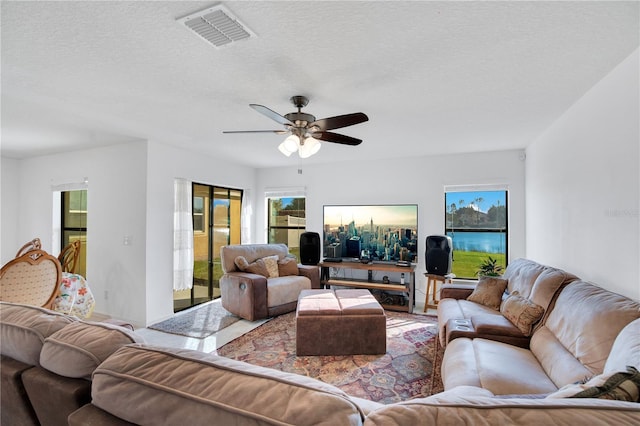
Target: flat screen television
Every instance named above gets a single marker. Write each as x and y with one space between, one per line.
380 232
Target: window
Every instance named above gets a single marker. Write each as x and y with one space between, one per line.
216 216
286 221
74 224
476 221
198 214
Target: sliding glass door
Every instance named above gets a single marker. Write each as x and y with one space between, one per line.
216 222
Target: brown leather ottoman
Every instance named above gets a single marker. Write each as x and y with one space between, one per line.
344 322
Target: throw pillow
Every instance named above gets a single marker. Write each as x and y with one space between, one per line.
241 263
522 312
488 292
258 267
271 262
288 266
623 386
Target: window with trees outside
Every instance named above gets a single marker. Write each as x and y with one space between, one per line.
476 221
286 221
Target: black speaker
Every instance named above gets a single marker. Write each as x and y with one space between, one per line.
439 254
309 248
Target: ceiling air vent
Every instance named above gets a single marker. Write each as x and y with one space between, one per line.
217 25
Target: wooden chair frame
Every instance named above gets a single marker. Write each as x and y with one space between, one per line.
69 256
24 290
34 244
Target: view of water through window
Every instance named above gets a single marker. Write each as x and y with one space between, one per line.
487 242
476 221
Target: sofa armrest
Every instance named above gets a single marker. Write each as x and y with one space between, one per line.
495 324
244 294
499 329
312 272
456 291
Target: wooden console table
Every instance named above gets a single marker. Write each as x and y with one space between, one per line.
408 287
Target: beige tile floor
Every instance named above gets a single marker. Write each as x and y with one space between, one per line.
222 337
208 344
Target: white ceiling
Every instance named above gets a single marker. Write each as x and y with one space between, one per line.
433 77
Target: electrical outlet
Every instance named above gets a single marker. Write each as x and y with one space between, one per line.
106 295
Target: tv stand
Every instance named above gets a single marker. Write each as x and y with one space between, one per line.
407 288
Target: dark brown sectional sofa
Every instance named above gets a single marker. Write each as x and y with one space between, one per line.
47 359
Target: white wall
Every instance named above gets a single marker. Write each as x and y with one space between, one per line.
130 193
582 186
409 180
116 202
9 217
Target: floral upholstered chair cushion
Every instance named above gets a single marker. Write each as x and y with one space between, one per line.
75 296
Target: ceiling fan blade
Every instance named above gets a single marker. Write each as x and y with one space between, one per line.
271 114
337 138
340 121
278 132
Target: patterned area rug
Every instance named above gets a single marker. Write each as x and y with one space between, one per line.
200 321
409 369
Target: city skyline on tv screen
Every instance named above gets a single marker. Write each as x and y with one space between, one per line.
378 232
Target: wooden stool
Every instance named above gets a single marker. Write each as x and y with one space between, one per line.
432 289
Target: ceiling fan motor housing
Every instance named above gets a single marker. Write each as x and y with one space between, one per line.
300 119
299 101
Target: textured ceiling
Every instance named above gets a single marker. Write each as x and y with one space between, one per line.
433 77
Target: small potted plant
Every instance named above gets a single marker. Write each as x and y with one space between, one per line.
490 268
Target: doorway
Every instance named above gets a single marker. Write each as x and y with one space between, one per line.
216 215
74 224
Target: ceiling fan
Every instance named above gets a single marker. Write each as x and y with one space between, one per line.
305 130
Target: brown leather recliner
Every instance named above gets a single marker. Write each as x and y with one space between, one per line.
253 296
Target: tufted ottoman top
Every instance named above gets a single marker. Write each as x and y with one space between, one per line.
340 302
358 302
318 302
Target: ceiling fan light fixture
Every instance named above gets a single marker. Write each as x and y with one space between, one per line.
291 143
309 147
283 149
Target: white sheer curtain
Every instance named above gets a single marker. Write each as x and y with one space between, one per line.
182 236
246 217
